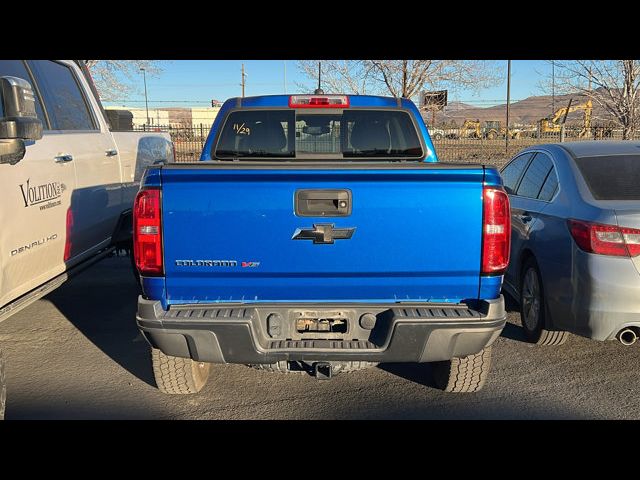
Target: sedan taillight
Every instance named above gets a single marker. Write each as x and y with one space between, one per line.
605 239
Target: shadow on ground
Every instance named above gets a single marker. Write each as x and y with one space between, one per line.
103 307
420 373
88 411
512 331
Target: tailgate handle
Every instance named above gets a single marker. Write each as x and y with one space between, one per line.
323 203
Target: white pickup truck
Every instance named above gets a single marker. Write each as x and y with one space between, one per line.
67 183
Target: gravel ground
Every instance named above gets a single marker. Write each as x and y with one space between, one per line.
77 354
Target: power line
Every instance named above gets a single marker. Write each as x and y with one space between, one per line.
159 101
470 101
166 85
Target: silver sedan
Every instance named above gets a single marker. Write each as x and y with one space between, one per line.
575 251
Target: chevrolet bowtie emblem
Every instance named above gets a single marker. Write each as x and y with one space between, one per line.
323 233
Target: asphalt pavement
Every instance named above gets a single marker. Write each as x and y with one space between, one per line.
76 354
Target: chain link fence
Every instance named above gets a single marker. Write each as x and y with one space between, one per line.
453 146
450 145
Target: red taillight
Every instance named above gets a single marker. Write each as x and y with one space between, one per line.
496 231
68 245
319 101
605 239
147 233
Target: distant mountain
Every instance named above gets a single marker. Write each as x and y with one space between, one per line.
455 106
524 112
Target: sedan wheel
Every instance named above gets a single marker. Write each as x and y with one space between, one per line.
531 300
533 309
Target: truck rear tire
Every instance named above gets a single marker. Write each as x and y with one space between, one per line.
3 387
177 375
462 375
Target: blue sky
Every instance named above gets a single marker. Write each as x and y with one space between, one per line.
191 83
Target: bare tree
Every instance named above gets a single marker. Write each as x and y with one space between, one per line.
406 78
612 84
114 79
401 78
339 76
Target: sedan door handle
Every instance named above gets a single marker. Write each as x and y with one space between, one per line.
63 158
111 152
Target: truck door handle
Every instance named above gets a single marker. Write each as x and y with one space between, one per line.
111 152
526 218
63 158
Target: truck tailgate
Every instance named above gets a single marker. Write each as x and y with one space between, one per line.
228 234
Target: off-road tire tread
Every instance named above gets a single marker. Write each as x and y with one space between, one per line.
174 375
463 375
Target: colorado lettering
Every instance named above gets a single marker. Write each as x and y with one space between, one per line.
206 263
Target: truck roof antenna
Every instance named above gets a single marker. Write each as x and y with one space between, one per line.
319 90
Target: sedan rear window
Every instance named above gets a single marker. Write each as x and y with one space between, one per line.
615 177
302 134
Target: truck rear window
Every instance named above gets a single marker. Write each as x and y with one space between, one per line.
307 135
615 177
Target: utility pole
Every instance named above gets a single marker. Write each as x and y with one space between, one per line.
243 79
553 87
508 101
319 90
146 101
285 76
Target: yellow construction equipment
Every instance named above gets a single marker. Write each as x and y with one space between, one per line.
490 130
553 124
470 129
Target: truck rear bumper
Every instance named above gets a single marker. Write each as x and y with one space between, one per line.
268 333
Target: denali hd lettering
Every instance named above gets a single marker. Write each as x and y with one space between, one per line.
33 244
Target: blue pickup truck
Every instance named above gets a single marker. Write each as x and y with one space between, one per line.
320 233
